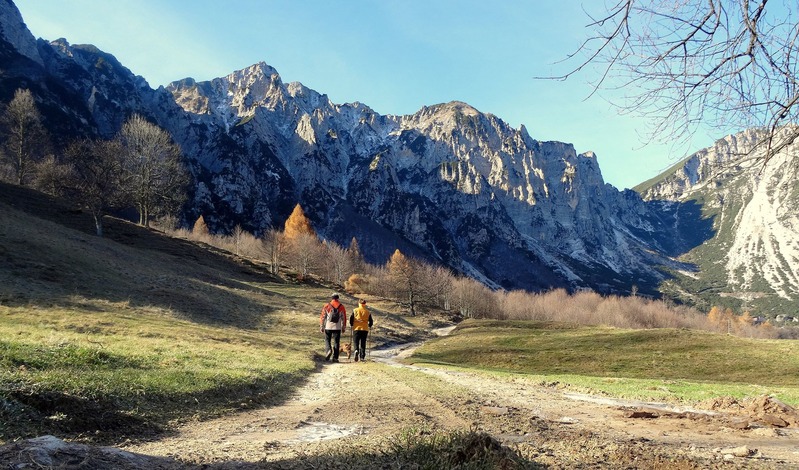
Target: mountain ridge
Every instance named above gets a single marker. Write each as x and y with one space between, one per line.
446 183
752 260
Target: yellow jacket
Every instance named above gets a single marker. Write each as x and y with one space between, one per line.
361 319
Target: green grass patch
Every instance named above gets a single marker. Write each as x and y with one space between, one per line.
102 374
644 364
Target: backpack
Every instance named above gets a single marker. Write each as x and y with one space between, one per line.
333 315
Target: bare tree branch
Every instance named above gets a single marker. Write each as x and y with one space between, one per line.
724 64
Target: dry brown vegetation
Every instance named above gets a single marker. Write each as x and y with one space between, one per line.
416 285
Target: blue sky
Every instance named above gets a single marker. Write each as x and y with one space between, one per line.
395 56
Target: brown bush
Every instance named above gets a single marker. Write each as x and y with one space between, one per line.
357 284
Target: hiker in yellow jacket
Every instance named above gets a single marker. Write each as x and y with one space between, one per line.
361 322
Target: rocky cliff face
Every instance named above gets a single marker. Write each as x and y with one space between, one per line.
448 183
17 39
752 259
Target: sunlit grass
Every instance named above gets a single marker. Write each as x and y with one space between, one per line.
657 364
150 367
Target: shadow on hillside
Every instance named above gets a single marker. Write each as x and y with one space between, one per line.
195 281
683 226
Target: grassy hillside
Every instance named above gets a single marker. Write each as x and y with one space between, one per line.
648 184
663 364
117 337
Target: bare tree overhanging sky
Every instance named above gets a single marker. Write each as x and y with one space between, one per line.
723 64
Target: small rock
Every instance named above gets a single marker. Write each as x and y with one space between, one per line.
742 451
638 414
773 420
495 410
740 424
766 432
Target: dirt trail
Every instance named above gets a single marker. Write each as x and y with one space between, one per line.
323 410
553 424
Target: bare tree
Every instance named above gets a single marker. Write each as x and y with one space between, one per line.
722 63
273 246
437 285
155 177
472 299
95 176
338 262
304 253
26 138
237 237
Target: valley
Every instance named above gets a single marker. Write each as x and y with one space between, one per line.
237 380
528 315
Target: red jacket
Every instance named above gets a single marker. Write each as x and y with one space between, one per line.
342 318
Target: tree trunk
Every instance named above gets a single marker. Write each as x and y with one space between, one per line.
98 224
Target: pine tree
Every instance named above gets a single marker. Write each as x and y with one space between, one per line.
356 258
200 228
354 249
297 224
403 274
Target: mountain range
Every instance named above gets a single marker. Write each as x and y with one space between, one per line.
448 183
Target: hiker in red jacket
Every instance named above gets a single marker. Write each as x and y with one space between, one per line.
333 322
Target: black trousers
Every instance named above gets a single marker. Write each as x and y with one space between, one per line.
360 342
335 335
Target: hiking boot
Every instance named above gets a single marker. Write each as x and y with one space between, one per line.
335 360
356 358
329 353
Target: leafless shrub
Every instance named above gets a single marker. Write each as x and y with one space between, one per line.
590 308
181 233
50 176
358 284
304 253
337 262
167 223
